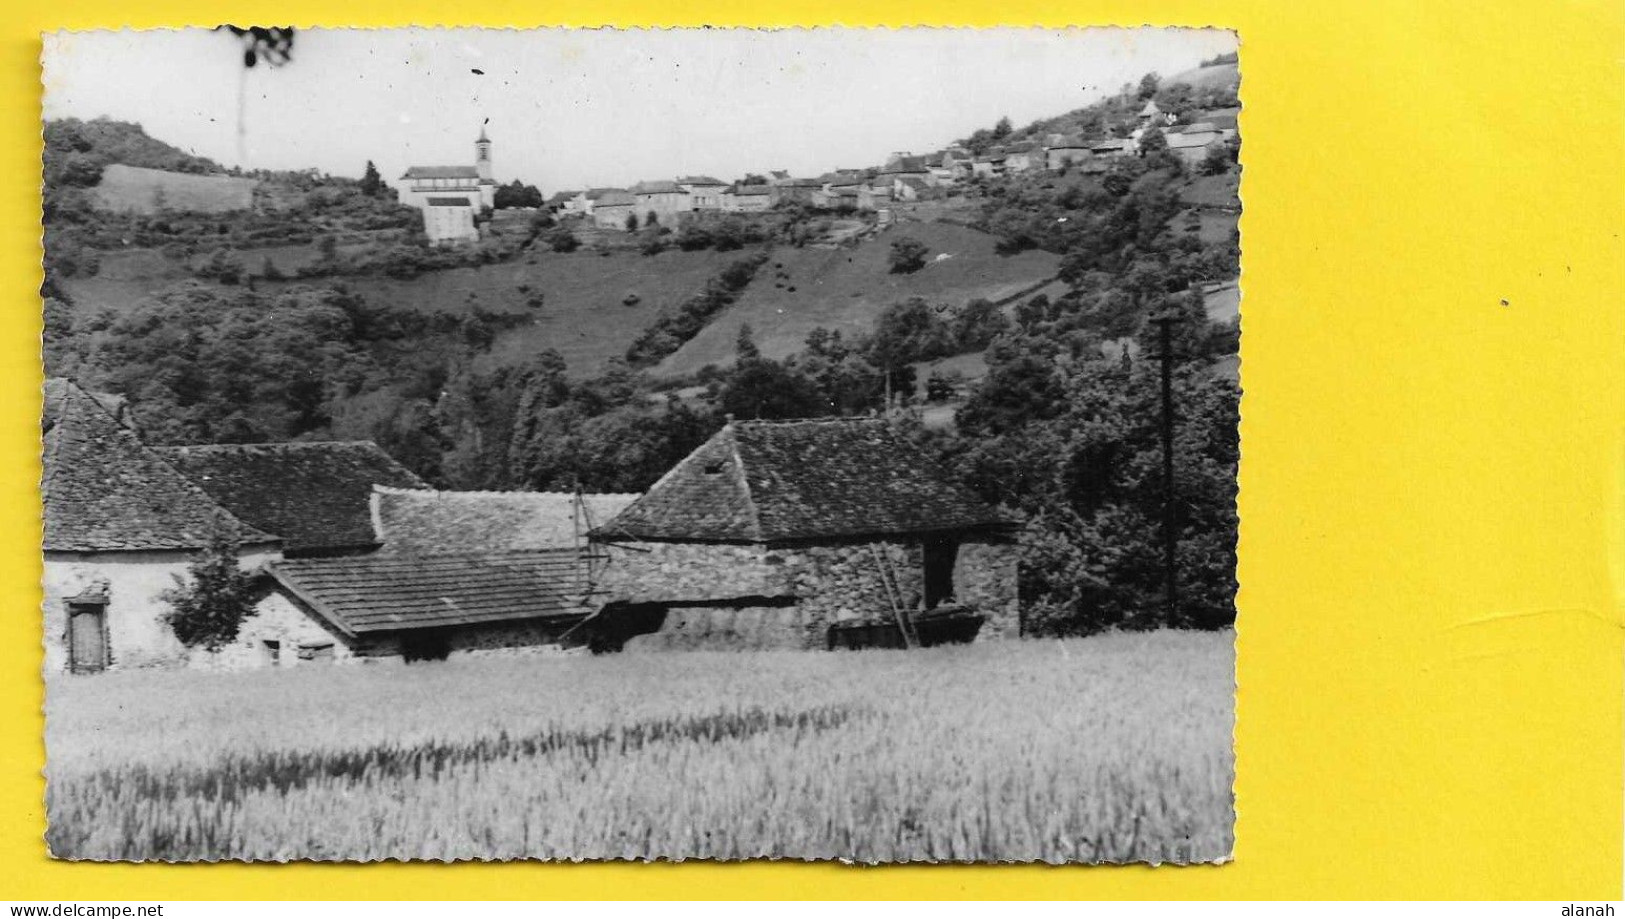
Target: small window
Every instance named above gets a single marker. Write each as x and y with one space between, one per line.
714 467
273 652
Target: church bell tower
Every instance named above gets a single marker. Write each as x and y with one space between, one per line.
482 166
482 155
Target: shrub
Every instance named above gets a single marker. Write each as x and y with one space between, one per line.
208 606
907 255
562 240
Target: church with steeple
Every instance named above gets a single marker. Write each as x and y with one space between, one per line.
452 196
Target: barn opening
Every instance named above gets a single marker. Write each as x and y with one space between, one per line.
938 570
425 645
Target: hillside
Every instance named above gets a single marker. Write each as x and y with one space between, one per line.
1222 76
140 190
844 289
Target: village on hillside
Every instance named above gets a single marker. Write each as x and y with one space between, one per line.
454 198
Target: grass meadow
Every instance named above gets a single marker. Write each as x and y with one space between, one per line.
1113 748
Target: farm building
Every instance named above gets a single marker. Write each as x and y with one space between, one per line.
404 607
120 522
793 534
422 522
316 496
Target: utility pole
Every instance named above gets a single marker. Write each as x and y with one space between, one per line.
1170 521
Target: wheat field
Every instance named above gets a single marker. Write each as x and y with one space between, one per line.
1112 748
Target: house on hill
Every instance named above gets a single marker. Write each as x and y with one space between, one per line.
662 197
704 192
747 198
120 523
1192 142
609 207
787 534
1066 150
316 496
451 196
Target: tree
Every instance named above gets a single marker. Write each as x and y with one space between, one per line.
907 255
371 182
1148 86
1153 141
631 223
208 606
1002 128
562 240
517 194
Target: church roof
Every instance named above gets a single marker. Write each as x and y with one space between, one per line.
105 491
441 172
759 481
415 521
315 496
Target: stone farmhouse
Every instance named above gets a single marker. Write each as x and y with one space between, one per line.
811 534
123 520
120 521
793 534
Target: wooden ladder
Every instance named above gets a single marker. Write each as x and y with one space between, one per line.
888 580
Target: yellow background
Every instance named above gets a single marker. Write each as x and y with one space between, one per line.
1432 536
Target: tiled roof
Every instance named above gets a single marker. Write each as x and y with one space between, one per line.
562 196
104 490
904 164
595 194
613 199
1151 108
758 481
917 184
1069 142
1113 143
314 495
657 187
699 180
417 521
383 593
1185 141
441 172
751 190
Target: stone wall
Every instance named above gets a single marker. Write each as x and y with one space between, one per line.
131 583
986 580
302 639
787 596
725 627
675 573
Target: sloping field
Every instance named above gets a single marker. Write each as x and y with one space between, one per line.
582 315
147 191
799 290
1217 75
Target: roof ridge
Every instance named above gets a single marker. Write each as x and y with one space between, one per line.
744 481
270 443
396 490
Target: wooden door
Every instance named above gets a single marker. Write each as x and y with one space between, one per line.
87 637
